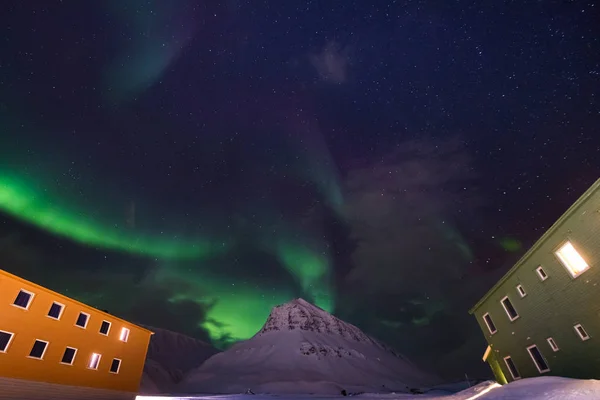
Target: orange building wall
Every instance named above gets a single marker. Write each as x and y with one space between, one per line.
31 324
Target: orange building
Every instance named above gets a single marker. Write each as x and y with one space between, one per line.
52 346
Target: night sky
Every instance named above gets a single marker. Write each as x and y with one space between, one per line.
190 164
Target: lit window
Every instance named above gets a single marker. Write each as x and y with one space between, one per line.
541 273
5 339
124 336
571 260
39 349
56 310
82 320
94 361
509 308
552 344
23 299
68 356
538 359
521 291
581 332
512 368
115 366
490 324
105 327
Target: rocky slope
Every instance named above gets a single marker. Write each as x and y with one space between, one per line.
170 356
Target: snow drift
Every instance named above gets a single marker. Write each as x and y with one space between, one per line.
544 388
541 388
303 349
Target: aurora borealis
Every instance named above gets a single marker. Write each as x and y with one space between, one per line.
23 201
192 166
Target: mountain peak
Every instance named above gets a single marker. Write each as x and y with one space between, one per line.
300 301
302 315
304 349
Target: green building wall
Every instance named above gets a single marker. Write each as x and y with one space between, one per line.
551 308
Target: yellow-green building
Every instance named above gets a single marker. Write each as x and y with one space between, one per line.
543 316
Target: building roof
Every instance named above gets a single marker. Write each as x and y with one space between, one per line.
540 241
62 296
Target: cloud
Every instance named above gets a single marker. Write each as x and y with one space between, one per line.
403 205
331 63
410 262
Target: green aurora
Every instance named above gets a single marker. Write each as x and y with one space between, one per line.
30 192
311 269
28 202
511 245
151 49
238 309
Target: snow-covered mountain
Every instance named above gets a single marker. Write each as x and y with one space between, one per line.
303 349
170 356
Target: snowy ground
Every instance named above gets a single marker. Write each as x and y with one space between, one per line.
542 388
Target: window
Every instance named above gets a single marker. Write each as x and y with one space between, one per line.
23 299
38 349
105 327
512 368
571 259
68 356
521 291
510 310
5 339
581 332
82 320
552 344
115 366
490 324
541 273
56 310
538 359
94 361
124 336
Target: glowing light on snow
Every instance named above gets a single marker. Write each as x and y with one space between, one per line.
484 391
165 398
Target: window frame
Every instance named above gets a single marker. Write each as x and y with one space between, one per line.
521 290
541 371
31 294
43 352
487 314
583 339
62 309
12 336
72 360
89 363
126 338
506 309
515 378
87 320
118 368
109 326
552 344
543 271
563 262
